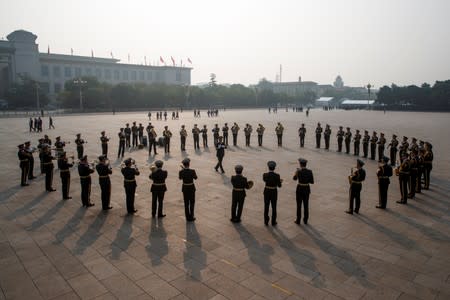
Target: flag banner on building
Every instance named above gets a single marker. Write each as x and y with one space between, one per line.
189 60
173 60
161 60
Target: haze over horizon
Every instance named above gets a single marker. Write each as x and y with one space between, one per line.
382 42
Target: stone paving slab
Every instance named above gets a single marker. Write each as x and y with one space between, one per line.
53 249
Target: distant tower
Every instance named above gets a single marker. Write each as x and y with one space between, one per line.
338 83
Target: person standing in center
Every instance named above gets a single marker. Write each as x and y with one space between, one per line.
340 138
64 172
188 176
24 164
326 136
183 135
260 131
158 189
47 161
216 131
318 135
85 172
355 180
279 131
234 130
220 153
122 139
366 140
305 178
225 134
167 135
273 182
381 144
383 174
80 145
104 141
204 132
239 183
134 133
104 170
129 181
196 136
356 142
247 132
373 145
394 148
301 134
347 140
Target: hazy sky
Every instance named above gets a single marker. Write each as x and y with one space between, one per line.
382 41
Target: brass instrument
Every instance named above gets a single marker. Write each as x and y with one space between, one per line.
153 168
250 184
182 166
350 176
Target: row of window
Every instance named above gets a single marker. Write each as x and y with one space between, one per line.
106 74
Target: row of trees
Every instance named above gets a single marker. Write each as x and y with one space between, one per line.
425 97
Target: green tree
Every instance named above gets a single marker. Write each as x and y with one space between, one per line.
23 94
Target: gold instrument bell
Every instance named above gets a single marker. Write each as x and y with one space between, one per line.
250 184
153 168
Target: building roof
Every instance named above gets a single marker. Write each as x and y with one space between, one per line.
294 83
358 102
76 58
324 99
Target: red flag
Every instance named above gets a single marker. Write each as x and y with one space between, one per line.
189 60
48 49
161 60
92 53
173 60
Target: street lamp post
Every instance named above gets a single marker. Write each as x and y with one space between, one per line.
80 83
369 86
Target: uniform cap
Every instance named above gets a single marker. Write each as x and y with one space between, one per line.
182 126
394 136
226 124
20 146
340 126
365 131
357 130
195 125
101 157
381 133
271 164
78 134
405 137
84 158
414 139
186 161
166 126
102 132
58 137
128 161
27 142
385 159
302 161
360 162
159 163
238 168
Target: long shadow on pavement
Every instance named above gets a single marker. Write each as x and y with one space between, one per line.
68 228
26 209
123 237
47 217
194 248
91 234
158 247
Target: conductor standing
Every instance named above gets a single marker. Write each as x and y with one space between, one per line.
220 153
273 182
305 178
158 189
239 183
188 176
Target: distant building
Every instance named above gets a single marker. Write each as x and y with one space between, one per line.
325 101
19 55
338 83
356 104
297 88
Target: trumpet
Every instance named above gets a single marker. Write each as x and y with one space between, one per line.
153 168
182 167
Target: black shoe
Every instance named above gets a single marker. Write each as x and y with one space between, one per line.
25 184
233 220
67 198
349 212
297 222
161 216
379 206
192 219
108 208
305 222
51 190
356 211
401 202
274 223
90 204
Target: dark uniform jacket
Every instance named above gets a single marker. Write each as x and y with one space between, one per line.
358 177
220 150
129 175
188 176
47 160
272 179
239 183
84 170
383 174
159 178
64 167
305 177
103 171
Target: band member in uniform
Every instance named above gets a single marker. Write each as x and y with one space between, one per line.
151 140
356 142
428 164
158 189
393 151
216 131
127 131
403 150
225 134
239 183
48 169
40 147
196 136
318 135
383 174
305 178
403 176
366 140
59 145
340 138
167 135
140 133
355 180
134 134
381 145
30 152
301 134
24 164
413 171
420 169
273 182
64 172
85 171
279 131
326 136
104 141
183 135
347 140
413 146
373 145
234 130
122 140
204 132
80 148
247 132
47 140
188 176
129 182
260 132
104 170
220 153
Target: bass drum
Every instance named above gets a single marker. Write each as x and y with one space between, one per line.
161 141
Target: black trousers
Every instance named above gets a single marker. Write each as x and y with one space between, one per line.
393 155
196 141
24 173
302 141
105 150
65 182
80 150
140 139
270 199
157 203
383 193
373 148
135 140
412 183
428 168
48 178
302 197
403 181
318 138
30 167
247 140
219 163
380 153
234 139
365 149
130 190
355 197
280 139
347 146
237 204
260 140
151 143
166 145
105 186
205 141
127 141
85 191
356 148
189 204
225 138
183 143
121 149
339 144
